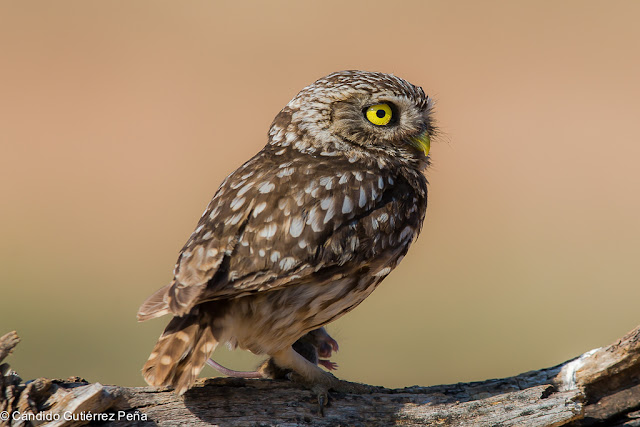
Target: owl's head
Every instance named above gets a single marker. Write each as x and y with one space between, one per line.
359 112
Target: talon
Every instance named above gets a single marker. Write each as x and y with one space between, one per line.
322 393
323 399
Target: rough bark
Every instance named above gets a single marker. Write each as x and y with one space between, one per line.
600 387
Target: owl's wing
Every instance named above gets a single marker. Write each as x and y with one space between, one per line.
212 242
291 220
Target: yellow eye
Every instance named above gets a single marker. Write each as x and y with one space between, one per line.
379 114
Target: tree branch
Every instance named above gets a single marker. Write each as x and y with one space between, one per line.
601 387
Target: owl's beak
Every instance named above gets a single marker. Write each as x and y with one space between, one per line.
422 142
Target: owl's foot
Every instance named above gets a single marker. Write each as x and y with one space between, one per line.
321 387
312 377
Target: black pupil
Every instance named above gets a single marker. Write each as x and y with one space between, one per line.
381 113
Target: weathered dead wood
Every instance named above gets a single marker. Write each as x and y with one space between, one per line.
601 387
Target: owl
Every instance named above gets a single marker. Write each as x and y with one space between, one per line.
301 233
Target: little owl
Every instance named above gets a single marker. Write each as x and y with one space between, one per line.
301 233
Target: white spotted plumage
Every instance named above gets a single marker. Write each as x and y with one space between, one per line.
347 205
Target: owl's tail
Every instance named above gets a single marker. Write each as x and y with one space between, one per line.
181 352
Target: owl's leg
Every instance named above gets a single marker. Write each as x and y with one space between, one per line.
314 378
315 343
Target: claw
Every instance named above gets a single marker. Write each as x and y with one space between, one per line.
323 400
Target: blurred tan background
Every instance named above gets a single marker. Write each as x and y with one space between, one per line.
118 121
